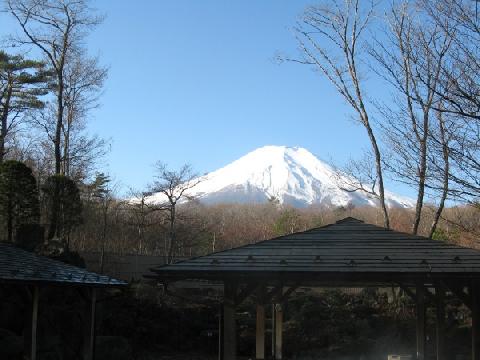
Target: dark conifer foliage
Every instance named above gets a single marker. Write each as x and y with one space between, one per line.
23 83
19 204
62 193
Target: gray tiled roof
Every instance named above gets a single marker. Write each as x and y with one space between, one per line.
345 249
20 266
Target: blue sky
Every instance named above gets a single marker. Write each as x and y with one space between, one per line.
196 82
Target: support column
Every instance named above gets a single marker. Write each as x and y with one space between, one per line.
229 324
475 295
220 333
440 328
273 330
421 338
260 332
89 327
278 331
32 331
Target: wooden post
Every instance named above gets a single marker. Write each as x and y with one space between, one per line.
273 330
220 333
89 326
229 325
34 321
440 328
475 294
278 331
421 339
260 331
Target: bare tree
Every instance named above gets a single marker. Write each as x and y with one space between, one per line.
460 81
57 28
139 210
102 193
358 174
84 79
460 91
410 57
173 186
330 39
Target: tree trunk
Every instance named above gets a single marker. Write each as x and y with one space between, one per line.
66 143
58 126
446 174
421 189
378 167
4 121
104 235
53 229
171 234
422 175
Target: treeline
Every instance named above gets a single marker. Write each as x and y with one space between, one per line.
201 229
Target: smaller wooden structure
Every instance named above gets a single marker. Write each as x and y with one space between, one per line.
34 272
349 253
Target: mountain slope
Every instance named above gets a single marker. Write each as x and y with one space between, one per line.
292 175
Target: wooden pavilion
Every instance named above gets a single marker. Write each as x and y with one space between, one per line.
35 273
349 253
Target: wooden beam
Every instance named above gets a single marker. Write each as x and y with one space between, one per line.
421 338
260 325
89 326
278 331
429 295
220 333
273 331
440 324
475 296
229 323
34 321
260 333
277 323
276 296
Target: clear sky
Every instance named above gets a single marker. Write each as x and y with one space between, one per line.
196 82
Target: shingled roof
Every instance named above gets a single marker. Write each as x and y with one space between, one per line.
348 250
20 266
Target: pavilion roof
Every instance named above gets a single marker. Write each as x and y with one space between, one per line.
20 266
346 250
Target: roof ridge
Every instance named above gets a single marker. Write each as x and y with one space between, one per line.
349 219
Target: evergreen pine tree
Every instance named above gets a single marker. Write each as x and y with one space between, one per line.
23 82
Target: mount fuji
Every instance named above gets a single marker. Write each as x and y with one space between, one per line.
292 175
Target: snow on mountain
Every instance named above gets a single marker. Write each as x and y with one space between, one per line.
293 175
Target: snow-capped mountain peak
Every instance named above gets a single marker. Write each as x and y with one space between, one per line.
293 175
